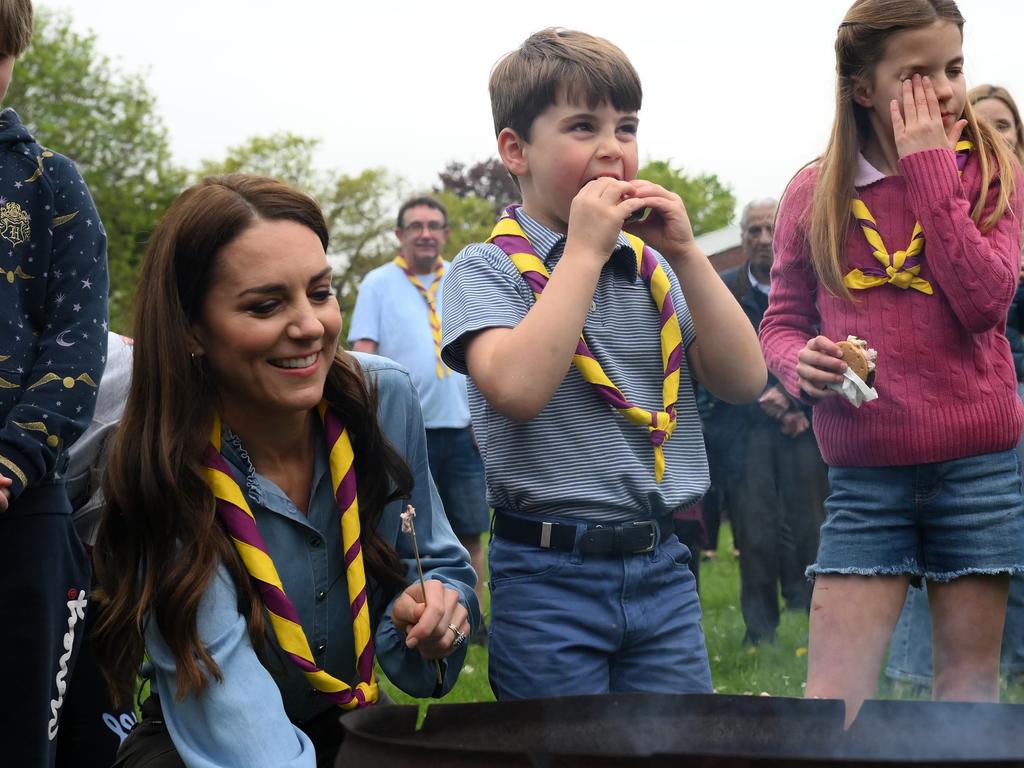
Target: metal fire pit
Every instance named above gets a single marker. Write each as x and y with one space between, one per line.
696 730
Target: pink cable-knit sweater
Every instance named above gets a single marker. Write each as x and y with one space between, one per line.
945 378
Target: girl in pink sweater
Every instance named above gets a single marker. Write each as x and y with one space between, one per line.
925 482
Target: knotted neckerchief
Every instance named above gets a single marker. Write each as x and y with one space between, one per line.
511 238
430 296
237 517
902 268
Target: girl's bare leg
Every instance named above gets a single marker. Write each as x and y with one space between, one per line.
852 619
967 630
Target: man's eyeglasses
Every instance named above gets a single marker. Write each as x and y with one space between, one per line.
414 227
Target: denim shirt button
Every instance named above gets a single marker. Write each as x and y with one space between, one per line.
320 596
316 541
321 648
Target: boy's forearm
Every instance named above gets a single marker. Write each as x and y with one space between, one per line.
519 369
728 357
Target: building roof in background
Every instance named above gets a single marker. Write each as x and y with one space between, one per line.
720 240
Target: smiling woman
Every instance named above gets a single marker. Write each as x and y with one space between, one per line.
254 493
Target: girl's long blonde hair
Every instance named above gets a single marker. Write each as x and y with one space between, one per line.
860 44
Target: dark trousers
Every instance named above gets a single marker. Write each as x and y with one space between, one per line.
714 503
44 583
91 727
780 498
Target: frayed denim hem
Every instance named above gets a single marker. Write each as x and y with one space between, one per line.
948 576
916 574
902 676
814 570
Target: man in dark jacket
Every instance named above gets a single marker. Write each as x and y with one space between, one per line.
766 460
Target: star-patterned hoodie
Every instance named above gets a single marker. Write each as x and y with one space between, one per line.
53 306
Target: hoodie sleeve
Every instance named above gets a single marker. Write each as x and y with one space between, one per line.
69 353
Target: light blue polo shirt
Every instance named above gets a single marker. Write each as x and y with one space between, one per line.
579 457
390 311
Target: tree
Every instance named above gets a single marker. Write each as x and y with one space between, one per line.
470 220
487 180
73 100
709 203
358 209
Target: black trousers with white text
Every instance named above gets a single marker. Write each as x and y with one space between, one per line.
44 583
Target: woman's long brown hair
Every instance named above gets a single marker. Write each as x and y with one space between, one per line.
160 542
860 44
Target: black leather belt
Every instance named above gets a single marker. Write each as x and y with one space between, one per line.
599 538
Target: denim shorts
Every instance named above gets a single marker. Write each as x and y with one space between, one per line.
934 521
458 473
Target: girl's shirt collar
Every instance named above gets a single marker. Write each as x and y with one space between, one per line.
866 173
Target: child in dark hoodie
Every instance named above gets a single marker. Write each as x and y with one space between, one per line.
53 300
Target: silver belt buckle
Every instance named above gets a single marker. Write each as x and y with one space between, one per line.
545 535
654 536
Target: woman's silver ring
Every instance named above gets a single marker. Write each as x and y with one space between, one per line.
460 637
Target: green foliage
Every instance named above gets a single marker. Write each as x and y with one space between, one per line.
470 220
74 101
708 201
488 180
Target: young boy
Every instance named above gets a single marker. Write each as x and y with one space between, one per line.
589 448
53 299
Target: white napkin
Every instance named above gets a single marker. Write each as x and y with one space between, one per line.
853 388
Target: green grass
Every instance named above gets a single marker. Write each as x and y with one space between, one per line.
776 670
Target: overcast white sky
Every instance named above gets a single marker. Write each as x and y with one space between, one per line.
740 88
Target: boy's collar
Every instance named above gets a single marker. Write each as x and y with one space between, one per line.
544 241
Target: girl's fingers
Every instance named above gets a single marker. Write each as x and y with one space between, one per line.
898 127
925 100
955 132
934 110
910 115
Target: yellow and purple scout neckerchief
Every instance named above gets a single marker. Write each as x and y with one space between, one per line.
511 238
236 516
902 268
430 296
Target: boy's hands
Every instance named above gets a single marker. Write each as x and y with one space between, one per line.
597 213
820 363
668 229
5 493
919 125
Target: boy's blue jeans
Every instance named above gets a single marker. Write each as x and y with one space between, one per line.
568 623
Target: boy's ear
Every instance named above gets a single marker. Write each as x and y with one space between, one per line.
862 92
512 151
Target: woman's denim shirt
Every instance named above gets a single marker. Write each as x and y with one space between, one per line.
247 719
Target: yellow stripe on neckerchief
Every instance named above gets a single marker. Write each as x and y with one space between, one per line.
430 296
237 518
511 238
902 268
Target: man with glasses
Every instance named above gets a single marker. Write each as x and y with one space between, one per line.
764 457
398 315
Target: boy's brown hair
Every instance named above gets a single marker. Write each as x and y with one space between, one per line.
558 61
15 26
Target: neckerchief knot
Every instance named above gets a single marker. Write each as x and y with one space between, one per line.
901 269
